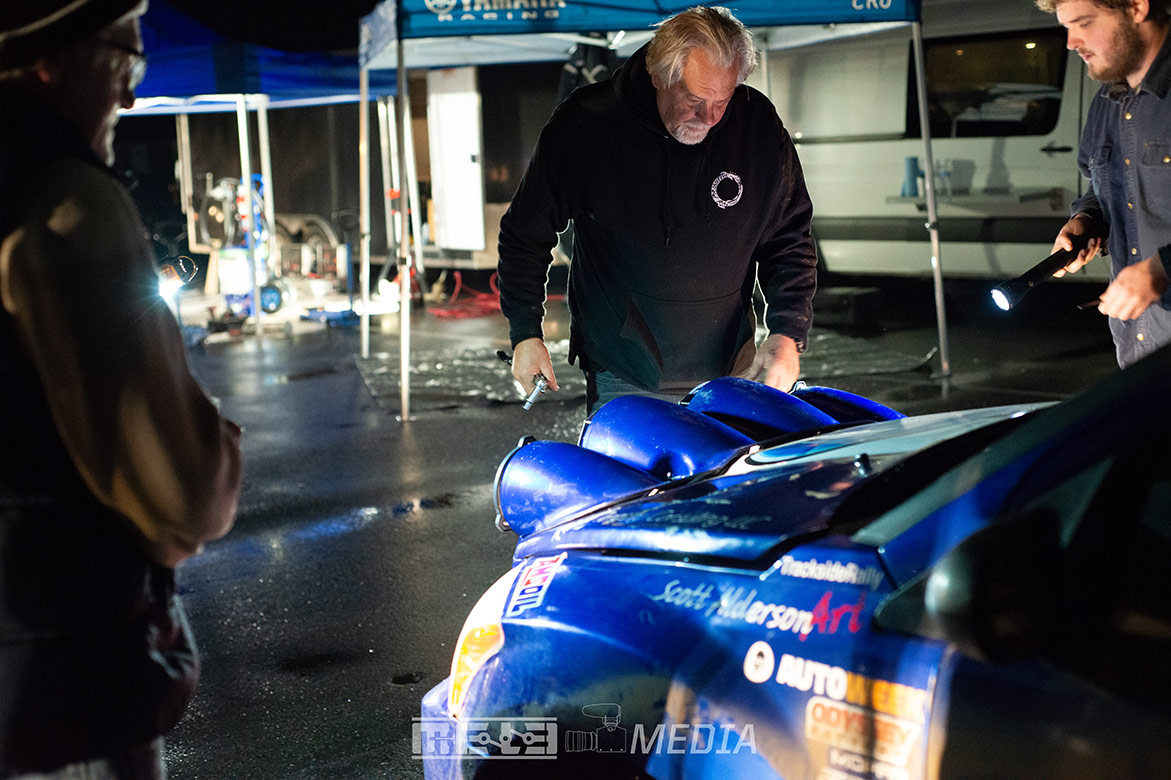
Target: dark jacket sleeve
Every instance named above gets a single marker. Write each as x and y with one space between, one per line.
528 230
786 259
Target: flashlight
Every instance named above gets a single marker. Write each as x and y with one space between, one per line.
537 390
540 382
174 273
1009 294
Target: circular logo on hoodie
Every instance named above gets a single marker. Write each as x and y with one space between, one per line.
722 202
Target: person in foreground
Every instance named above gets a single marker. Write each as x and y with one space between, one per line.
114 465
1125 151
684 190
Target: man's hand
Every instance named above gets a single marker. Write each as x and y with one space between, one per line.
777 363
529 358
1076 227
1134 289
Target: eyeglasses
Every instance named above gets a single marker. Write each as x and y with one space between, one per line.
137 62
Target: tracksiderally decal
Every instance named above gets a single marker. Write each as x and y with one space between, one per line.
831 571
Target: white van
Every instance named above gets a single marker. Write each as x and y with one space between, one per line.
1007 101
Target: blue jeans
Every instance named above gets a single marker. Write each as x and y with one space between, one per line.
603 386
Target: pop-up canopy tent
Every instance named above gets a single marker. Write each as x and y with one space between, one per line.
435 33
194 69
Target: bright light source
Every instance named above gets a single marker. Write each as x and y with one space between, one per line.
174 273
1030 45
1000 299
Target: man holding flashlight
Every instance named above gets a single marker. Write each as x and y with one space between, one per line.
684 190
1125 152
114 465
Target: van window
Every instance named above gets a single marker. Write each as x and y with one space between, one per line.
842 89
1007 84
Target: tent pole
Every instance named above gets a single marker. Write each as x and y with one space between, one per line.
390 179
248 222
416 209
364 197
932 212
266 175
404 256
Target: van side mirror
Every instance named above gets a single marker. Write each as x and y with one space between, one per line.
993 595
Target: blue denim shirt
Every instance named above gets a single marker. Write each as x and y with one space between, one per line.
1125 151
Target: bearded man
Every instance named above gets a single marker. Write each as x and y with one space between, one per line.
1125 152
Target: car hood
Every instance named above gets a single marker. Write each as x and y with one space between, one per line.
762 499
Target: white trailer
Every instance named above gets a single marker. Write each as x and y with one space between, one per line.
1007 103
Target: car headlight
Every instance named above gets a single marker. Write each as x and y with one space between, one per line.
481 638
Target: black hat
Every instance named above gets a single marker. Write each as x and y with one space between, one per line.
29 28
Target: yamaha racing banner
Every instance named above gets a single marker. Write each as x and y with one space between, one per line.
436 18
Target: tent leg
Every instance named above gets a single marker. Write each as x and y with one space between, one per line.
364 198
404 257
932 212
266 176
388 143
249 223
416 208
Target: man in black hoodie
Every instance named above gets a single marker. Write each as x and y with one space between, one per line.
684 190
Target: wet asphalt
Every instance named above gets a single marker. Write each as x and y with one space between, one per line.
363 540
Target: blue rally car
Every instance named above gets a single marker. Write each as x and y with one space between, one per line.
753 584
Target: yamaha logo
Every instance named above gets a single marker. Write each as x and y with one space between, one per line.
496 10
726 203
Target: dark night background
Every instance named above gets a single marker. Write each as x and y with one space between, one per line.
314 149
291 25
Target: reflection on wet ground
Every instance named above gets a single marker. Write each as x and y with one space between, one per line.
442 379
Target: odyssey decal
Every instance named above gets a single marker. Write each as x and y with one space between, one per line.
831 571
889 740
532 585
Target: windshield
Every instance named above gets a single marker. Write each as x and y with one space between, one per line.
912 474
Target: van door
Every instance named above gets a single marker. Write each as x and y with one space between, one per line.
457 175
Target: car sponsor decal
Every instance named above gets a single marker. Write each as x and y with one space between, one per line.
889 740
532 585
831 571
826 617
802 674
698 598
869 725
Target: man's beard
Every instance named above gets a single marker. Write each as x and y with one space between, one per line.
690 133
1127 50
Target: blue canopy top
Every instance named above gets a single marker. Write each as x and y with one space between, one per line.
474 20
188 60
426 18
